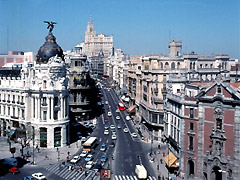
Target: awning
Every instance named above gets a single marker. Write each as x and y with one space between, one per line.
171 160
131 108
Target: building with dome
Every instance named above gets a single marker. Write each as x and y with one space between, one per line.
34 99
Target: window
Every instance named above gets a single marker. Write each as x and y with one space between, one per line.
55 115
55 101
44 115
190 147
23 113
191 167
219 90
75 98
9 111
191 126
13 99
191 113
44 103
44 84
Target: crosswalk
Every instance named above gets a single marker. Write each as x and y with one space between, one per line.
131 177
65 173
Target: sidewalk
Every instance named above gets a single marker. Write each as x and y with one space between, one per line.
44 156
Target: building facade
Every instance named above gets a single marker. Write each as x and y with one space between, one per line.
35 100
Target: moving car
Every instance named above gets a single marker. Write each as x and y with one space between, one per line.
125 130
117 117
106 102
104 158
114 136
112 127
106 132
14 170
128 118
112 144
89 157
119 126
134 135
109 113
89 164
38 176
106 126
84 154
103 147
97 167
75 159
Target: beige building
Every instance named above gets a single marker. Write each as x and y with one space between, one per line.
94 43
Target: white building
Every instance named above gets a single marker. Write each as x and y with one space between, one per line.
35 98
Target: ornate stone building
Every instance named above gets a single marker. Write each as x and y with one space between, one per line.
36 98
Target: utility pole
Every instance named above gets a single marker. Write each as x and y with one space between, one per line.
33 143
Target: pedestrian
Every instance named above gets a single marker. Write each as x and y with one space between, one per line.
159 146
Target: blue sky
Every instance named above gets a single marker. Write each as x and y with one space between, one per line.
139 27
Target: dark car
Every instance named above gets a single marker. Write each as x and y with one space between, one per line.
104 158
29 178
97 167
112 144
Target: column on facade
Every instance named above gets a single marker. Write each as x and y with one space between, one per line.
32 103
48 108
64 136
62 107
39 108
50 137
52 112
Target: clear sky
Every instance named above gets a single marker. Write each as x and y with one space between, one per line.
139 27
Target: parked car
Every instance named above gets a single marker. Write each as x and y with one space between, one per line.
75 159
104 158
106 132
14 170
38 176
103 147
134 135
89 157
125 130
89 164
84 154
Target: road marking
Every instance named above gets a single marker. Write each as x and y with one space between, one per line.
150 177
135 177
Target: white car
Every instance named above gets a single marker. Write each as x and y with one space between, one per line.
134 135
117 110
114 136
109 113
117 117
128 118
112 127
84 154
125 130
106 102
106 132
38 176
89 164
75 159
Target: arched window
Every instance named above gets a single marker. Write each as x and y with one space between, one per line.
173 66
178 65
190 65
166 65
161 65
194 65
191 167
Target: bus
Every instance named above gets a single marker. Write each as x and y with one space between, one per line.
121 106
90 144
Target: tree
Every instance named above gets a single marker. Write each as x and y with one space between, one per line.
24 137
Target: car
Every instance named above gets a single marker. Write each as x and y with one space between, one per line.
29 178
128 118
112 127
89 165
38 176
106 102
114 136
112 144
89 157
117 110
114 131
106 120
14 170
106 126
104 158
117 117
97 167
84 154
125 130
119 126
75 159
134 135
109 113
106 132
103 147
